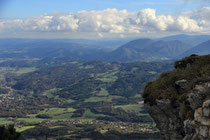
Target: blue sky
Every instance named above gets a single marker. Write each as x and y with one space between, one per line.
110 18
28 8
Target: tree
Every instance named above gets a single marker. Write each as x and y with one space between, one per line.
9 133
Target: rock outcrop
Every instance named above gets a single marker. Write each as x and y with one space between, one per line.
167 120
181 109
173 127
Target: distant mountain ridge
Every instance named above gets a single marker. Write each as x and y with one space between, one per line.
201 49
164 49
149 50
48 48
193 40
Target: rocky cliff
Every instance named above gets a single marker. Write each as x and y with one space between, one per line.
179 101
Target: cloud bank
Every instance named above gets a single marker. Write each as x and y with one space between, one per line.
112 21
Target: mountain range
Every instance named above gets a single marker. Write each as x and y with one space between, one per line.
144 49
149 50
193 40
201 49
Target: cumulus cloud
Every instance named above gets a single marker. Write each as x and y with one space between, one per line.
112 21
148 18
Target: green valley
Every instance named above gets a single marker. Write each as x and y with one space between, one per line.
77 99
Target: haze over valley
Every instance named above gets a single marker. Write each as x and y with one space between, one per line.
98 70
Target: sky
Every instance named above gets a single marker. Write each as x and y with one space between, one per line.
28 8
102 18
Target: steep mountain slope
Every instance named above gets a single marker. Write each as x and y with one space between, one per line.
179 101
201 49
148 50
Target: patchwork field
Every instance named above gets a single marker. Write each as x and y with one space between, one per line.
74 99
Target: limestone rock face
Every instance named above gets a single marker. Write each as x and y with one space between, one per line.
171 124
166 119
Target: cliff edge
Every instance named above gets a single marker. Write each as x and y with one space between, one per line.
179 101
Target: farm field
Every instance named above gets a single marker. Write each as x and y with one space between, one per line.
74 98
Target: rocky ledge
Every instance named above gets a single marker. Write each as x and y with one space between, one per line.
179 101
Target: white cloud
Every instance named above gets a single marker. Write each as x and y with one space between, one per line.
148 18
186 24
122 36
112 21
100 35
